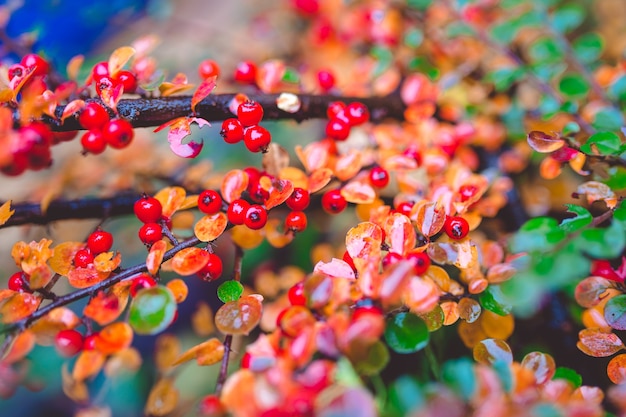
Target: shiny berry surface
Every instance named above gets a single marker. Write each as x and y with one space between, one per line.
118 133
296 221
128 80
420 261
337 129
208 68
379 177
209 202
41 66
250 113
299 199
140 282
93 142
99 241
148 209
326 80
237 210
213 268
245 72
456 227
68 342
357 113
333 202
93 116
256 217
83 258
232 130
257 139
150 233
296 294
17 282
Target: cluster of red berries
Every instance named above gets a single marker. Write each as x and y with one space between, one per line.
102 131
149 211
298 201
246 127
103 79
30 149
98 242
342 117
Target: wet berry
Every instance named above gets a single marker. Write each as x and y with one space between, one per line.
148 209
99 241
208 68
256 217
237 210
213 268
140 282
128 81
150 233
296 294
296 221
246 72
257 139
250 113
326 80
379 177
456 227
299 199
420 261
17 282
83 258
68 342
337 129
41 66
232 130
209 202
118 133
357 113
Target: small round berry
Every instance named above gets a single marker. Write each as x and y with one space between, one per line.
93 142
140 282
17 282
101 69
413 152
237 210
16 70
258 194
213 268
420 261
333 202
357 113
41 66
296 294
58 137
364 310
405 207
456 227
82 258
150 233
68 342
257 139
337 129
254 175
232 130
256 217
90 341
17 166
148 209
245 360
246 72
326 80
467 191
296 221
335 108
391 258
118 133
128 81
379 177
211 406
250 113
208 68
308 7
209 202
299 199
99 241
93 116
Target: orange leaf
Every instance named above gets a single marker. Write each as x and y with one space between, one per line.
489 351
241 316
421 295
549 168
72 108
23 343
210 227
541 364
86 277
155 256
245 237
396 278
204 89
114 337
202 320
430 218
46 328
163 398
104 307
73 67
76 390
107 262
171 199
40 276
111 94
177 85
189 261
313 156
18 306
597 191
125 361
319 179
364 240
88 364
598 343
179 289
205 353
500 272
234 183
336 268
275 235
167 349
616 369
5 212
358 193
348 165
543 142
589 292
279 193
400 233
61 260
32 255
296 176
119 58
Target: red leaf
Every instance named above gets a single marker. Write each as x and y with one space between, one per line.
203 90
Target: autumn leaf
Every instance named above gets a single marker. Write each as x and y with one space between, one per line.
18 306
63 256
88 364
155 256
234 183
543 142
204 89
210 226
599 343
205 353
189 261
119 58
5 212
162 399
241 316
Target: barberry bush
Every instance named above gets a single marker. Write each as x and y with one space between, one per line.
442 233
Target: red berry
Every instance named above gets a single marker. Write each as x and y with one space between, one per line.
456 227
58 137
150 233
603 268
420 261
326 80
257 139
17 166
16 70
348 259
118 133
101 69
333 202
391 258
337 129
211 406
93 142
246 72
140 282
83 258
208 68
412 152
564 154
296 294
296 221
307 6
335 108
42 67
405 207
365 310
209 202
99 241
257 193
68 342
254 175
245 360
256 217
357 113
93 116
90 341
379 177
148 209
250 113
17 282
232 131
237 210
467 191
213 268
128 81
299 199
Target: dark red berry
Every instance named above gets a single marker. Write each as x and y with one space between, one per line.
405 207
82 258
118 133
391 258
93 142
58 137
16 70
148 209
211 406
68 342
213 268
150 233
90 341
99 241
296 221
257 139
41 66
420 261
603 268
337 129
208 68
467 191
326 80
256 217
237 211
128 81
140 282
296 294
379 177
254 175
412 152
456 227
357 113
232 130
245 360
258 194
101 69
250 113
17 166
364 310
299 199
18 282
209 202
335 108
333 202
93 116
246 72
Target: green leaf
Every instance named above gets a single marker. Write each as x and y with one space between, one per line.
383 57
606 143
459 375
413 38
405 395
376 360
608 118
569 375
230 291
617 89
503 370
152 310
546 410
345 373
291 76
493 300
538 234
419 4
567 18
545 50
573 85
548 71
617 178
588 47
407 333
604 243
571 128
456 29
503 78
615 312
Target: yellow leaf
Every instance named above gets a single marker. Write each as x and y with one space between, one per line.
206 353
73 66
119 58
76 390
211 226
163 398
5 212
89 363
